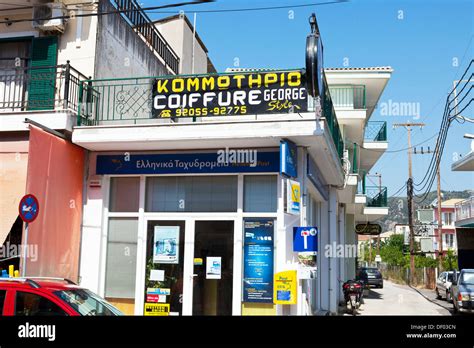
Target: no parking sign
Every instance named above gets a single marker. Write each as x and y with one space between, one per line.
28 208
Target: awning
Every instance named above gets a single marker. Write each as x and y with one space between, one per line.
12 188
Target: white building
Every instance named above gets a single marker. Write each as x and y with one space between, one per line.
146 208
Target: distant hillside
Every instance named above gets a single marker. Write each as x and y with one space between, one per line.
398 208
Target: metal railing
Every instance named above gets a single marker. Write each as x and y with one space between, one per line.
142 24
376 131
40 88
376 196
355 160
348 96
465 209
330 115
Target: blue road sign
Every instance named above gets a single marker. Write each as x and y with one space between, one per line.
305 239
28 208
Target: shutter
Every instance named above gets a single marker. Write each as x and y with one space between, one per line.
42 82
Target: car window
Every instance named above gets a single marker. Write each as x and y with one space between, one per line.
441 276
28 304
450 277
87 303
3 294
467 278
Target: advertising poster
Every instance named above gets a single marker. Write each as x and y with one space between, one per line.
230 94
166 244
258 260
156 309
213 267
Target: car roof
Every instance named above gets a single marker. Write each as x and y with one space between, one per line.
52 284
468 270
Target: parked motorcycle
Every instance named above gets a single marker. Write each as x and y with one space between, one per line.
353 290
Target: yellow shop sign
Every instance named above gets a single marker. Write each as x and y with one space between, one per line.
155 309
285 288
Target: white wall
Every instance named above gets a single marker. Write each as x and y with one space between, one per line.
180 37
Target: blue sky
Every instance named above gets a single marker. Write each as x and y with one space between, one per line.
420 40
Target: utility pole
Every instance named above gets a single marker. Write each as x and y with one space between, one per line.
408 126
440 221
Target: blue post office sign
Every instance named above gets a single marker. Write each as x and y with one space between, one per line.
185 163
305 239
288 158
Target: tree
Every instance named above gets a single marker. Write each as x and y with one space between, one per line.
450 261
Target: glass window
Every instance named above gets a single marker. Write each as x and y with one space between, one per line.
86 302
3 294
124 194
121 258
29 304
260 193
192 194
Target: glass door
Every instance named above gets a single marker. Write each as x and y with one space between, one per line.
164 267
213 268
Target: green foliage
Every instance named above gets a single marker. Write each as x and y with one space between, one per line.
392 254
450 261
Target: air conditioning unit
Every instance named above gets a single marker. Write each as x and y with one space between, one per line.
45 17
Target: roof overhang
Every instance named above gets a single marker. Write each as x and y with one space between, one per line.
464 164
303 131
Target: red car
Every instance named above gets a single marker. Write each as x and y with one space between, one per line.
49 297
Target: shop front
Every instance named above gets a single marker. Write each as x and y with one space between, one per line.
173 237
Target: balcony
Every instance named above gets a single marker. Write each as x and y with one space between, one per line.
376 196
40 89
375 131
117 114
348 97
465 213
37 93
129 101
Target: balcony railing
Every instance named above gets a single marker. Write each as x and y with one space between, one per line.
331 119
40 88
348 97
465 209
376 196
375 131
141 23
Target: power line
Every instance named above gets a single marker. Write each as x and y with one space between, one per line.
117 11
430 174
151 10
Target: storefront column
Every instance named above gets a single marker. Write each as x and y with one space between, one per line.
342 243
350 238
333 241
322 283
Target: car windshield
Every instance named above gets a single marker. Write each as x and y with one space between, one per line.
450 277
372 270
85 302
467 278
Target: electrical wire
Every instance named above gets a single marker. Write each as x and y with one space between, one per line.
196 2
446 121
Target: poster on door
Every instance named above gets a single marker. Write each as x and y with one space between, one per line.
258 260
213 267
166 244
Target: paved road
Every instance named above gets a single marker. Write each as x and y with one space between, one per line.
395 299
